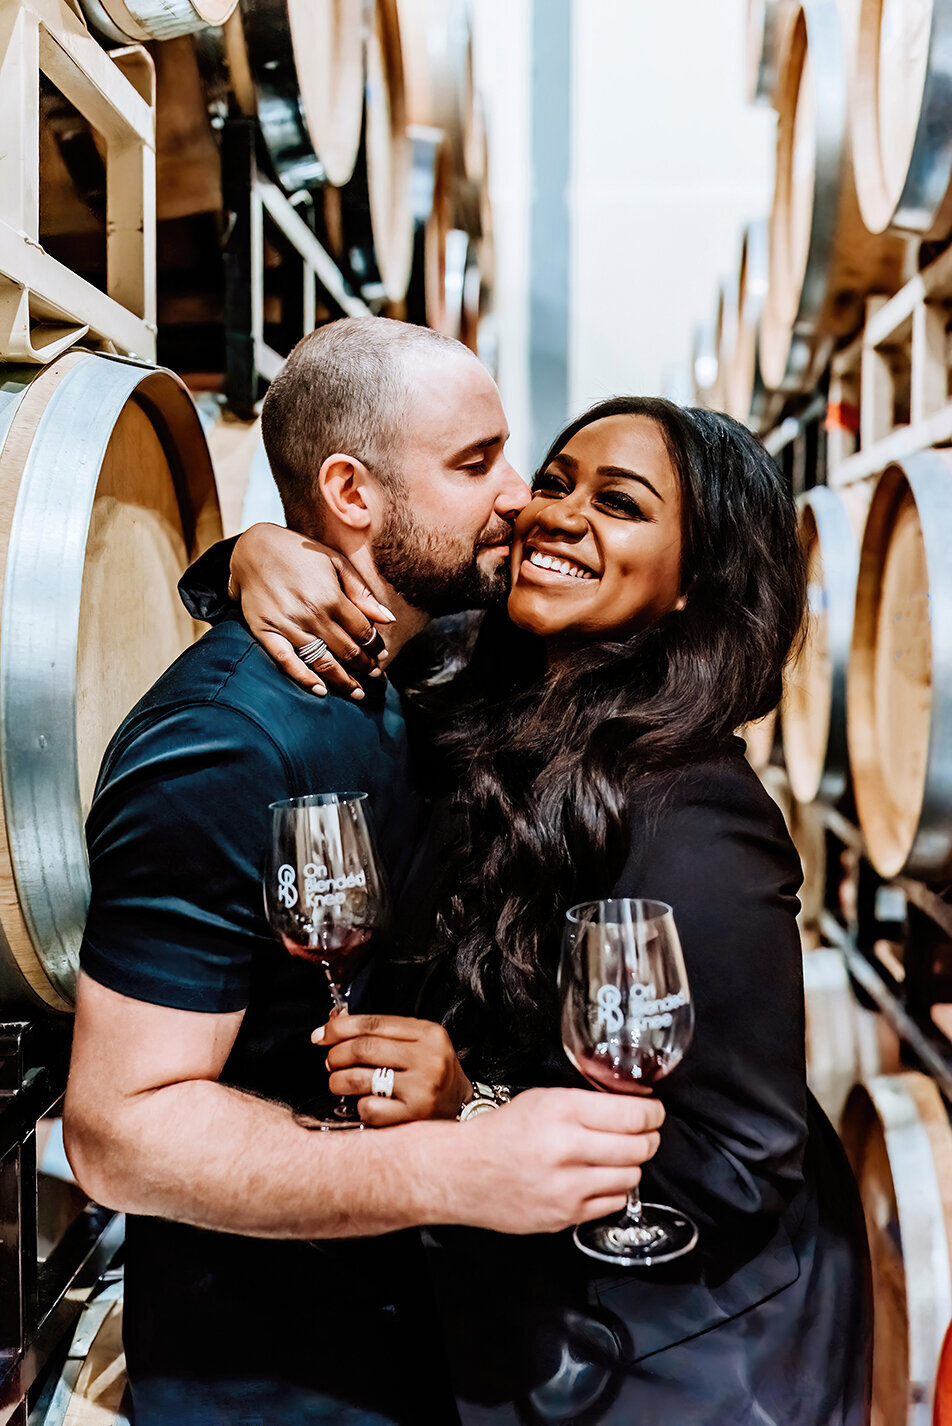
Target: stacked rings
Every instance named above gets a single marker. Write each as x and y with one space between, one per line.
313 651
381 1083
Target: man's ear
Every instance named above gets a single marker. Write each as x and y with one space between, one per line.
343 481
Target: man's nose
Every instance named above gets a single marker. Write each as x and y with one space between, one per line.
514 494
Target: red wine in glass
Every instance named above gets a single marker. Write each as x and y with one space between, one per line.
627 1019
325 897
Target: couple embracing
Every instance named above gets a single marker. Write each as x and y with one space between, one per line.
641 602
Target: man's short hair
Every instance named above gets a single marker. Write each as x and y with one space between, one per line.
344 388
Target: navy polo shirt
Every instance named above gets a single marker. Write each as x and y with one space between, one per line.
217 1324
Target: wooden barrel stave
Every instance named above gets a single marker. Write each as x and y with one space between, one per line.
823 261
745 393
900 117
90 618
899 682
897 1134
846 1043
765 20
814 706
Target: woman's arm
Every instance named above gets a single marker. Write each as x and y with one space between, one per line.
732 1147
292 590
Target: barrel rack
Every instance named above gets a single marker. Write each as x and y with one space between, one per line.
40 1301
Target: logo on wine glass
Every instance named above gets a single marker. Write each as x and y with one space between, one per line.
287 891
322 890
609 1006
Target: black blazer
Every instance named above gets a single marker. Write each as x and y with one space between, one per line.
768 1321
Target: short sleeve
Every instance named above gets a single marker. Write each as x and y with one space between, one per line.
177 838
203 588
732 1143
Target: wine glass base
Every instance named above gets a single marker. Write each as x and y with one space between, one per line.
664 1234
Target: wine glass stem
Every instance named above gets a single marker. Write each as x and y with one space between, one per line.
339 999
633 1209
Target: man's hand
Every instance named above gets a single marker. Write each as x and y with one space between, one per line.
428 1082
554 1157
293 590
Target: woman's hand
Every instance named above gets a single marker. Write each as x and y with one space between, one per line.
428 1082
293 590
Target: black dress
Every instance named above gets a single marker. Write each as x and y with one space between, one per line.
768 1321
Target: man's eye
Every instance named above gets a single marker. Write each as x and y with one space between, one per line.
479 468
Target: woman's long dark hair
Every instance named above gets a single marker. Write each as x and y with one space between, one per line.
548 764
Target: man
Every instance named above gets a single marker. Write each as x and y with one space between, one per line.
191 1042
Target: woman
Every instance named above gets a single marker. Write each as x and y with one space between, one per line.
657 591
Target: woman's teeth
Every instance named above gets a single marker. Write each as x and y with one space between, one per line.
562 566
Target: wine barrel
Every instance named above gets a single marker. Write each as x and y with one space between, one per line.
368 223
814 704
121 21
438 58
902 117
765 20
107 493
942 1403
899 681
299 65
247 493
725 338
823 261
846 1043
92 1386
432 205
704 363
896 1132
744 390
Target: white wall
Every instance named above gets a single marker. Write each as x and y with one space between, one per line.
669 163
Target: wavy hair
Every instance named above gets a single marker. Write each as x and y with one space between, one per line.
550 765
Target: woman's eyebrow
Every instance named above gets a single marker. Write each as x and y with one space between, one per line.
617 470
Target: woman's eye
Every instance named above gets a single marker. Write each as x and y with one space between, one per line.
619 504
548 484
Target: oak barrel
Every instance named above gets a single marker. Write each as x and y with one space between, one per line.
814 704
300 66
438 60
899 682
846 1043
745 396
121 21
823 261
106 493
896 1132
902 116
92 1387
765 19
432 205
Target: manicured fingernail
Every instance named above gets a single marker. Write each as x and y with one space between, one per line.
357 694
317 1035
383 655
319 689
387 616
376 673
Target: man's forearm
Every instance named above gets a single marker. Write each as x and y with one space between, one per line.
206 1154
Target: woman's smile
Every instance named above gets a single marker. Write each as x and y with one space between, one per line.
547 564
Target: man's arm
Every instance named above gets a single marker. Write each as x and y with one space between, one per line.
150 1130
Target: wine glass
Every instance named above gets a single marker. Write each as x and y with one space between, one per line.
325 897
627 1019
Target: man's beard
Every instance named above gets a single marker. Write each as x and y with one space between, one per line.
435 573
